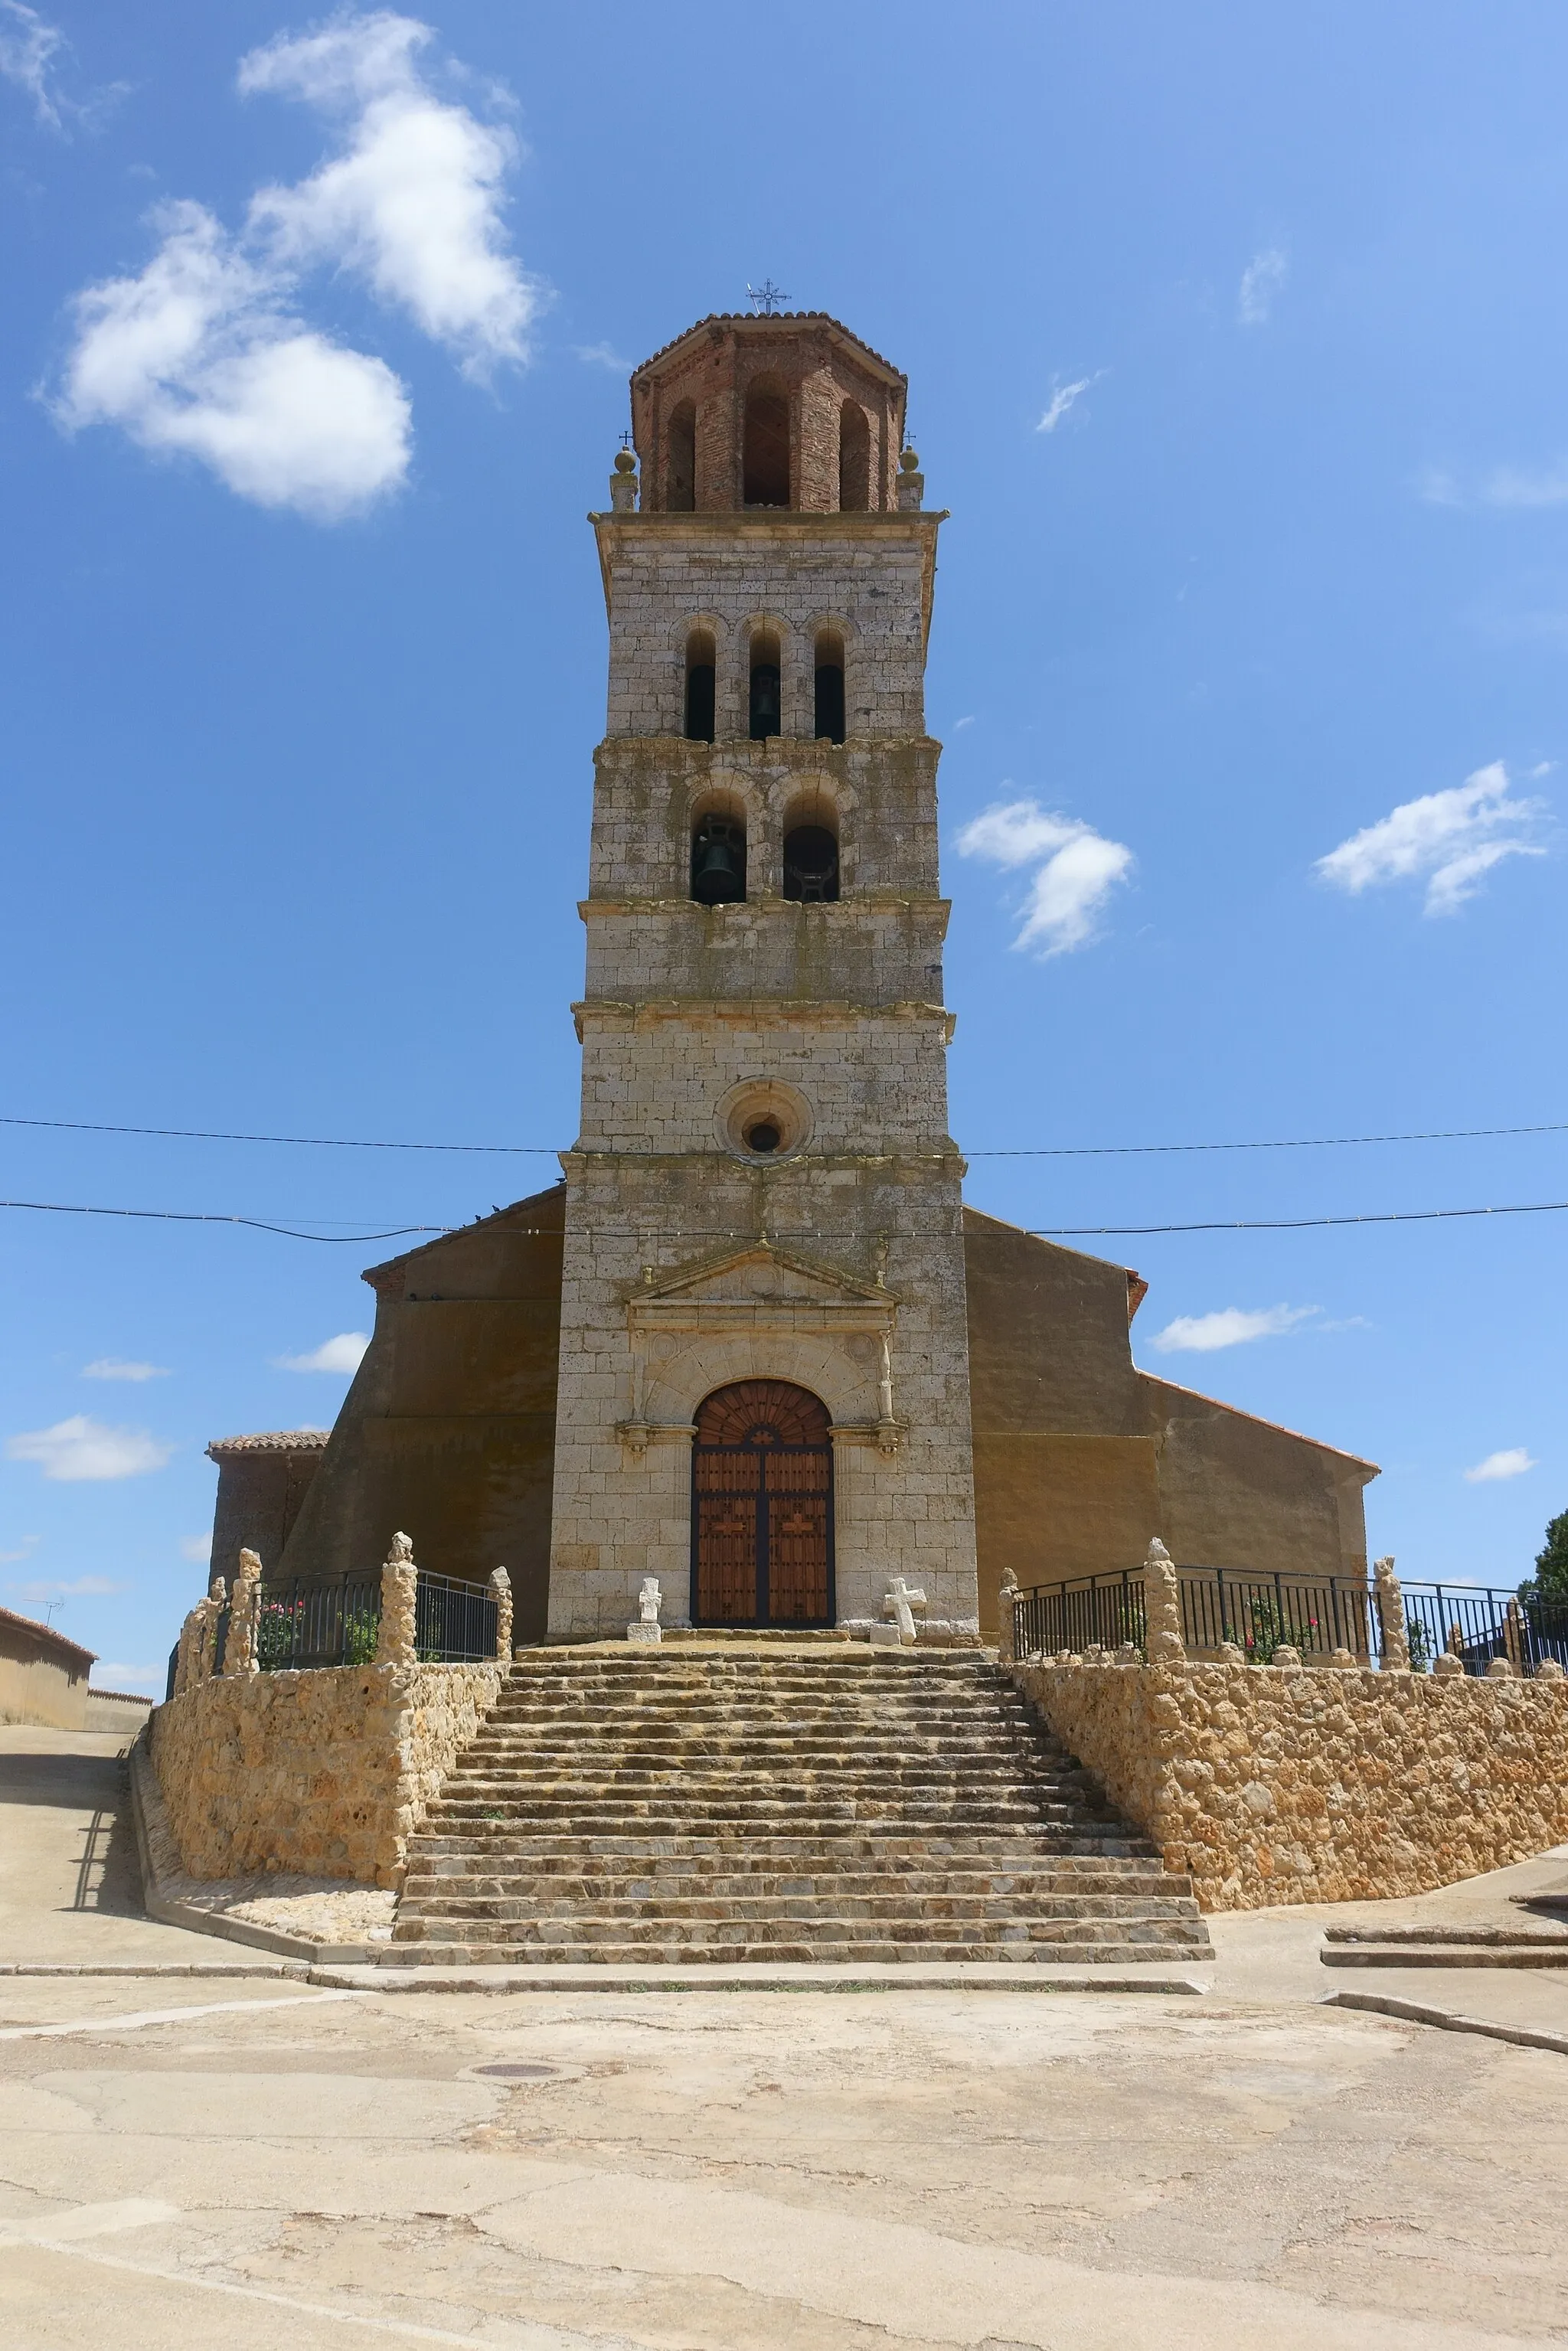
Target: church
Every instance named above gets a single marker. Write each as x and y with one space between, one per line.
754 1344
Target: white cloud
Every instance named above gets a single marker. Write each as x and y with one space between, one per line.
1510 486
1262 280
134 1678
110 1367
959 724
27 46
344 1353
204 353
1062 397
602 355
200 355
1228 1326
80 1449
198 1548
1450 838
84 1587
12 1558
1077 869
1510 1464
413 200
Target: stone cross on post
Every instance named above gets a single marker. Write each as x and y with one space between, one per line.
239 1650
1163 1643
501 1589
399 1588
1391 1614
646 1629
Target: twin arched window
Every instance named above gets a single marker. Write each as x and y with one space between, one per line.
810 858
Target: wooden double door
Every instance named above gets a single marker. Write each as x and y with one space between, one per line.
762 1506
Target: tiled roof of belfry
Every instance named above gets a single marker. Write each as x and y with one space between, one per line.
270 1440
770 318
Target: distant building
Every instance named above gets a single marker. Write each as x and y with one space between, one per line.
755 1344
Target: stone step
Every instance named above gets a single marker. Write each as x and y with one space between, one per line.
629 1924
1047 1897
804 1953
905 1908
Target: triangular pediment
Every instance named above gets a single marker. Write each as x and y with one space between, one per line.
760 1275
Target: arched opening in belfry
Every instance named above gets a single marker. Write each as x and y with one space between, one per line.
811 849
681 460
830 686
762 1506
702 670
765 462
854 458
766 697
718 852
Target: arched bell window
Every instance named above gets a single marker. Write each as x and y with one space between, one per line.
766 686
765 464
701 672
854 459
810 865
681 461
830 686
718 857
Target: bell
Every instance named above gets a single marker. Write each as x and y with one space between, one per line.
715 877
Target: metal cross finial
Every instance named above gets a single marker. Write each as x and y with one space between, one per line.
625 440
767 298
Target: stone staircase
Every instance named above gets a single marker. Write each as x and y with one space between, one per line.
721 1805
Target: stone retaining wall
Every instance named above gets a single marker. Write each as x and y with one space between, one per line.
1278 1784
326 1773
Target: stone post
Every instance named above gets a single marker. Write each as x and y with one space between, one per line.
400 1585
1391 1614
190 1634
623 484
1006 1631
239 1651
1163 1643
910 487
501 1585
1513 1635
210 1610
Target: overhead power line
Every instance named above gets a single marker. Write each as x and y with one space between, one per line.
1020 1151
727 1232
196 1217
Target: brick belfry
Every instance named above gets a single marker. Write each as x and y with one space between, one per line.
764 1386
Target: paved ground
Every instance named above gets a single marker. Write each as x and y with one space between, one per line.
258 2162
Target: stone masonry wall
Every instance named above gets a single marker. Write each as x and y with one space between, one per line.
326 1773
1285 1785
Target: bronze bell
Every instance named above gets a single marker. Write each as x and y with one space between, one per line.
716 878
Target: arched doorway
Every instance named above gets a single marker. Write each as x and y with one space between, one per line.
762 1506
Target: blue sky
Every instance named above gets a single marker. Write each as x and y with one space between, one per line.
1235 347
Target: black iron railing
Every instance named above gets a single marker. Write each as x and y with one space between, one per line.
1262 1614
453 1624
304 1622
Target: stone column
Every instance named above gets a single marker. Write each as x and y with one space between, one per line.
501 1586
1007 1630
1391 1612
400 1584
239 1651
1163 1642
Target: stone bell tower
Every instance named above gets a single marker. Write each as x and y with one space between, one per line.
764 1394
